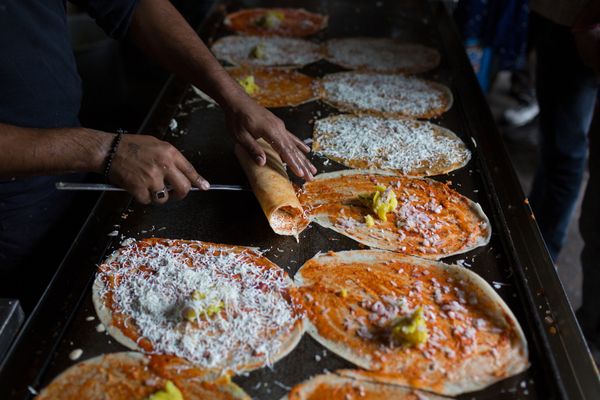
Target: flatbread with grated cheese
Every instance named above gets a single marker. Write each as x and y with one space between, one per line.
336 387
381 55
243 314
266 51
405 146
295 22
386 94
431 220
355 300
129 375
277 87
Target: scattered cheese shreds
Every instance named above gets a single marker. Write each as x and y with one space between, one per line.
156 282
388 93
273 50
387 143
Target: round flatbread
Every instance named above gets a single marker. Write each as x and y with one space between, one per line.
386 94
266 51
381 55
276 87
295 22
357 301
336 387
405 146
221 307
133 376
430 220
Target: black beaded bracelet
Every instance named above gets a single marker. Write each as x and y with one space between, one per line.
111 153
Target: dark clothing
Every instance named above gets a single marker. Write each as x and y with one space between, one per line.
40 87
589 226
566 92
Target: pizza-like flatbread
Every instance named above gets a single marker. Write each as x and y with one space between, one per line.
294 22
276 87
411 321
386 94
221 307
381 55
336 387
266 51
133 376
405 146
430 219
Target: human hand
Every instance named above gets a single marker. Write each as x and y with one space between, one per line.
143 165
249 121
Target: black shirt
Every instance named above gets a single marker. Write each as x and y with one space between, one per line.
39 83
40 87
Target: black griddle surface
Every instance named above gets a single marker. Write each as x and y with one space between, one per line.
65 320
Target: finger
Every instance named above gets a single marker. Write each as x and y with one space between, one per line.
304 164
180 184
191 174
159 193
299 143
141 195
287 154
252 147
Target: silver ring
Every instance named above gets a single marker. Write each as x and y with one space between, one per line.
161 194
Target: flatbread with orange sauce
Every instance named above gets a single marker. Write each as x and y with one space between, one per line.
392 95
133 376
294 22
336 387
276 87
431 220
411 321
381 55
222 307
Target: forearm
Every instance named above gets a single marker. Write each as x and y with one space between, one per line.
159 30
30 151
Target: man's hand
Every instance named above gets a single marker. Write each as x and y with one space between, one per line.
162 32
250 121
144 165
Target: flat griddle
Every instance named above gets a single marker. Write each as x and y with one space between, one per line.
515 261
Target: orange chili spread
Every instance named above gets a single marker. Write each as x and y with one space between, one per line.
431 219
456 312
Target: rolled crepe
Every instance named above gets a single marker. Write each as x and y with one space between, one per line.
274 191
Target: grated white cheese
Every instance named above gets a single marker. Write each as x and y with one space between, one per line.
276 51
385 93
255 313
381 55
388 143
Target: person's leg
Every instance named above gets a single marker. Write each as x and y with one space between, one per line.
566 92
589 226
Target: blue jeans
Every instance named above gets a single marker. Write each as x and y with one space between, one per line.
566 91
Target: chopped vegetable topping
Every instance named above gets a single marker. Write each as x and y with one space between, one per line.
170 392
344 292
258 52
369 220
270 20
411 330
382 201
249 84
198 308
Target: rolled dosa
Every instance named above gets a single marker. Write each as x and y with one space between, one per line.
274 191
